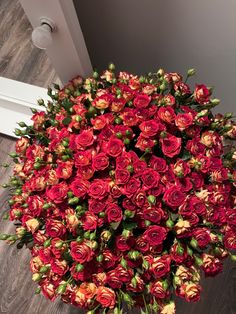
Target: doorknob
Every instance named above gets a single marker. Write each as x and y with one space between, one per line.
42 34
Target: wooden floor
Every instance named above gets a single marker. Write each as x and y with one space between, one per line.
17 289
19 59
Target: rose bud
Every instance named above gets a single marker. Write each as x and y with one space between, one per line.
32 225
36 277
105 235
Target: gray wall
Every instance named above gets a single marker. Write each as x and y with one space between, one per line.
143 35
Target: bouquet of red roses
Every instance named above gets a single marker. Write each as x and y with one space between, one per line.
124 190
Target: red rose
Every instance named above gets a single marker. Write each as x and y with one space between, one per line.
157 289
150 178
79 187
202 94
55 228
96 207
84 139
166 114
103 101
171 145
122 176
140 199
153 214
114 147
174 197
230 240
191 292
81 252
211 265
142 100
48 290
21 145
100 162
129 117
150 128
182 88
113 279
89 221
202 235
144 143
109 259
64 169
83 158
131 187
160 266
114 213
98 189
158 164
35 204
142 244
106 297
183 121
155 235
58 192
124 244
59 267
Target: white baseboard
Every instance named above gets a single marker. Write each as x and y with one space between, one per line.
16 99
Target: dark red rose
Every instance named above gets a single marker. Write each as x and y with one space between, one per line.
109 259
155 235
114 147
124 244
202 94
100 162
202 235
150 178
174 197
182 88
129 117
158 164
211 265
140 199
131 187
55 228
83 275
171 145
58 192
79 187
153 214
113 279
160 266
122 176
114 213
89 221
98 189
142 244
96 206
142 100
157 289
230 240
81 252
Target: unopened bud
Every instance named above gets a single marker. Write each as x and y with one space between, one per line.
191 72
151 199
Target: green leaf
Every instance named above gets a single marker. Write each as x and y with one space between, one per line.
115 225
66 121
129 225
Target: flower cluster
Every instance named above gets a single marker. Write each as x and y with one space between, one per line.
124 190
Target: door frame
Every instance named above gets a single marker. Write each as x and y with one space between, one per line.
68 54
